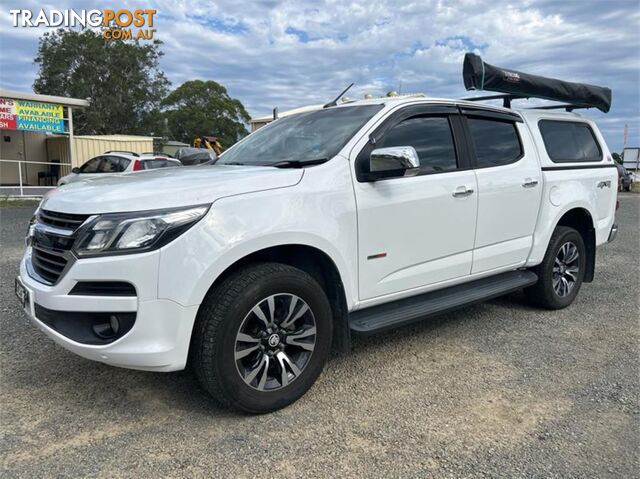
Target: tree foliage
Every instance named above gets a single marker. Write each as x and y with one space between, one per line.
198 108
122 79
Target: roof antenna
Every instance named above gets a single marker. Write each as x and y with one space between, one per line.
335 102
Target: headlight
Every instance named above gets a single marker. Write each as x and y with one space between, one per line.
121 233
32 223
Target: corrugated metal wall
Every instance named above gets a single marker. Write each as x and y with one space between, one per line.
86 147
58 150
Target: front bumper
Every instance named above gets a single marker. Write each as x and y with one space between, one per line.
159 339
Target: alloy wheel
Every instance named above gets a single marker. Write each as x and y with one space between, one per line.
275 342
565 269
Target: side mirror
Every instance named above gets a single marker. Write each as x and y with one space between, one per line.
75 170
393 162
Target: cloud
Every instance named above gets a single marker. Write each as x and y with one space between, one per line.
287 54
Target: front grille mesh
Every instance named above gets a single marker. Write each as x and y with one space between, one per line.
48 266
50 247
61 220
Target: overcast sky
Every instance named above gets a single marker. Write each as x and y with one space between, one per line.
293 53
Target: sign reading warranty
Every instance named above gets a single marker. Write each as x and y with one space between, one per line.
30 116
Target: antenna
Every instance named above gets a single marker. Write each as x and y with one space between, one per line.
335 102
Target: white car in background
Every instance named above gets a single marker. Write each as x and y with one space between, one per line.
113 162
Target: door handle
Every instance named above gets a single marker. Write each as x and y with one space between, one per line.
462 191
529 183
604 184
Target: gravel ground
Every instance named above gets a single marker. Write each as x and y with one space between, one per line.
499 389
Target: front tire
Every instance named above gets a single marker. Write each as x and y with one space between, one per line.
262 337
561 273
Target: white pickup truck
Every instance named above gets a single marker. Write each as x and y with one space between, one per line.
347 220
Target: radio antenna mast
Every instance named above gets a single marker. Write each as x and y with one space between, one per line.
335 102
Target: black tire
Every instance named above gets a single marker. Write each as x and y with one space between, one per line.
226 310
543 292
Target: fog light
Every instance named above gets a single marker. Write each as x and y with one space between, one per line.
108 330
115 323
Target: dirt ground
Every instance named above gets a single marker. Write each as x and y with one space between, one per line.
496 390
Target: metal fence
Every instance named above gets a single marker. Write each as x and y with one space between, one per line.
23 188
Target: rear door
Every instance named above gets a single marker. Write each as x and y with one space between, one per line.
416 231
509 188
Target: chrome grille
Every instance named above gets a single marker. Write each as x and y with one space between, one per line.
51 242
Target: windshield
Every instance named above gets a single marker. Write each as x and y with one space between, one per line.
316 135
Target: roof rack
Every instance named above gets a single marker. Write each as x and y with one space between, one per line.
512 85
567 107
506 102
506 99
122 151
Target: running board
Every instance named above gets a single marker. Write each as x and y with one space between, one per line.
405 311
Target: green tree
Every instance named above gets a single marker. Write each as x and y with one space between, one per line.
122 79
204 108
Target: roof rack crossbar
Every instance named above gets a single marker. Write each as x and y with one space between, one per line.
505 97
566 106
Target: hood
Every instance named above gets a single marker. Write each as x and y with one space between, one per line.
165 188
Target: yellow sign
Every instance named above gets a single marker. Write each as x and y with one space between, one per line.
31 116
29 109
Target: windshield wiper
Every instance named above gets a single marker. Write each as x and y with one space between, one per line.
297 163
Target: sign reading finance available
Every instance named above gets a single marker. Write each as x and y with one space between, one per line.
30 116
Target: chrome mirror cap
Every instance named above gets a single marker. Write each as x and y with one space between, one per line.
401 159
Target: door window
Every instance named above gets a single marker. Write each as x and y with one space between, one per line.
496 142
91 166
431 137
112 164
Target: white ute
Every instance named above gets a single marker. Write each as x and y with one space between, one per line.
347 220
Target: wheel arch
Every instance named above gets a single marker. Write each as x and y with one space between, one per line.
317 264
581 220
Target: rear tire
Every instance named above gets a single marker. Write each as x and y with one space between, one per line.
561 273
262 337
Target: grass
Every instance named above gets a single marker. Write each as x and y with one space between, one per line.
18 203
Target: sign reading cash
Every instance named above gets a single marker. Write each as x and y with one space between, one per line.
31 116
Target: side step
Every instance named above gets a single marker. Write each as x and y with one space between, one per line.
404 311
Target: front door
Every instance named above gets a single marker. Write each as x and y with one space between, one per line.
416 231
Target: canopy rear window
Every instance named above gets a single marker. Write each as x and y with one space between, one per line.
569 141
